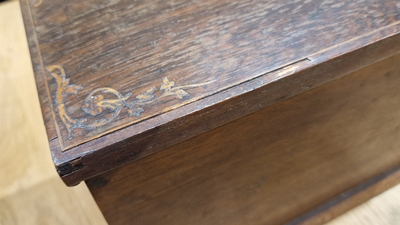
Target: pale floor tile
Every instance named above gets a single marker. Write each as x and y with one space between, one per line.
50 203
24 159
30 190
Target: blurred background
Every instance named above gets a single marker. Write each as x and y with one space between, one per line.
31 191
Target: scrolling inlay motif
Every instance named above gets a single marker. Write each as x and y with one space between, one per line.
96 102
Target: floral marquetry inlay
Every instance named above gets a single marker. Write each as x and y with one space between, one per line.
105 100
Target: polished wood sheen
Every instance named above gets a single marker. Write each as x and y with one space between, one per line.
120 80
220 112
136 45
272 166
31 192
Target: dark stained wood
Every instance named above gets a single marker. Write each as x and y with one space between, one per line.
160 132
205 47
271 166
230 59
220 112
136 44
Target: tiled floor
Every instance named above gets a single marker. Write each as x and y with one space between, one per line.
30 190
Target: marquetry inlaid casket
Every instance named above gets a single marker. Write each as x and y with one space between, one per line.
220 112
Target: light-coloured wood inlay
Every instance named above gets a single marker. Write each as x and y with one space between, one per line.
97 103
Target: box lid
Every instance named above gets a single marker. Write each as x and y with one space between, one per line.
119 80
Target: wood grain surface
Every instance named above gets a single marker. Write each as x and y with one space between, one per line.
31 192
159 132
137 44
303 152
39 197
